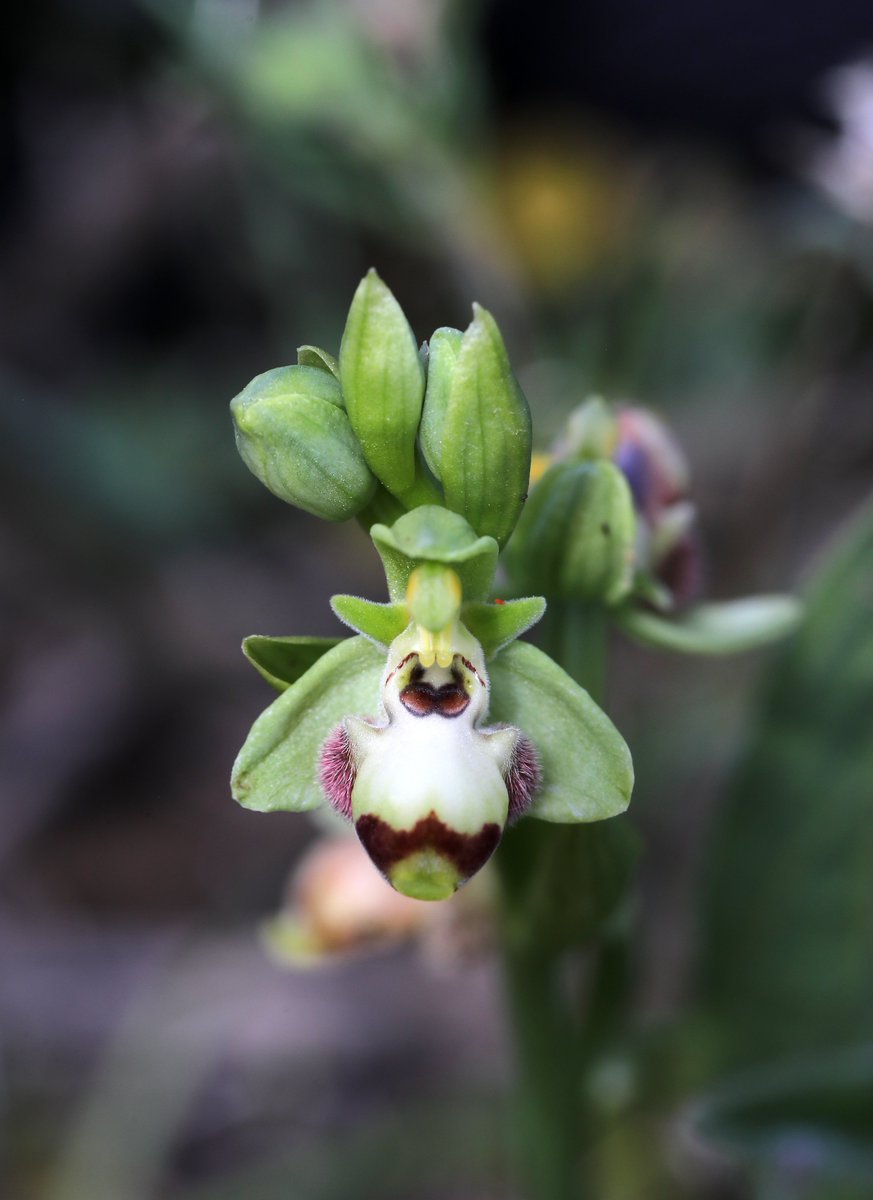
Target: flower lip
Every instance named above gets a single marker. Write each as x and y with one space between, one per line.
430 798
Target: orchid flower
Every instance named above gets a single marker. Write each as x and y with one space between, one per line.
435 727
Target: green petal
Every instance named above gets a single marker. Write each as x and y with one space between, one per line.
277 768
314 356
715 628
433 534
587 768
282 660
496 625
381 623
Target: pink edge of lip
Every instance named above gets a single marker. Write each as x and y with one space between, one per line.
336 771
522 778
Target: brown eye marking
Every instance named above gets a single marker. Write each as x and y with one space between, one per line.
423 699
452 700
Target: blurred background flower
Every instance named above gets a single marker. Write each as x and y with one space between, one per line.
191 190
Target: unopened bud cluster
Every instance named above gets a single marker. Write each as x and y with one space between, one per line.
390 426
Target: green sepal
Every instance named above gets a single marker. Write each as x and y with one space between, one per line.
726 628
586 764
577 535
382 382
442 355
314 356
494 626
381 623
294 436
433 534
282 660
277 768
485 433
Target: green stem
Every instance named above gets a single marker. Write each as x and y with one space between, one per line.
544 1020
546 1125
574 635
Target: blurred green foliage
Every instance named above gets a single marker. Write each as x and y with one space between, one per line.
786 931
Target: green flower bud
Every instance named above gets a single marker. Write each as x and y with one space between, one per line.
476 428
293 434
591 432
576 538
383 383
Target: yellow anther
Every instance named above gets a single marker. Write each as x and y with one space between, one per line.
445 653
427 651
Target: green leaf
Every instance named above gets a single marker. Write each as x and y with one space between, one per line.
586 765
433 534
576 538
282 660
496 625
818 1109
277 768
382 383
443 349
486 434
382 623
726 628
786 962
314 356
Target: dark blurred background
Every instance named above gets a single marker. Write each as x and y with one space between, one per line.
666 203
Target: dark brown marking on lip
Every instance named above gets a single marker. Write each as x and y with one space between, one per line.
470 667
422 699
402 663
387 846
